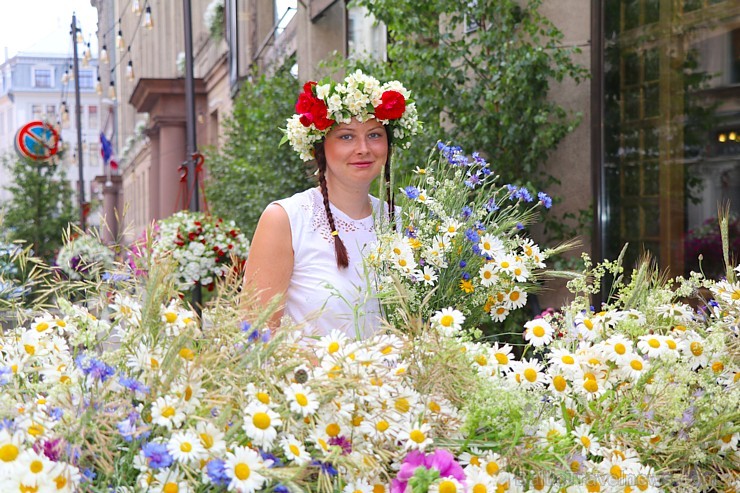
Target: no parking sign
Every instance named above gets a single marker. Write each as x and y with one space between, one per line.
37 140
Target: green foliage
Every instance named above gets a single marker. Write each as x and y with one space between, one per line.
41 207
481 73
252 170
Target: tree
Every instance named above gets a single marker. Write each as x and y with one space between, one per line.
252 170
41 205
480 72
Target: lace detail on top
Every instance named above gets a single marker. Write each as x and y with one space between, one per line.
343 222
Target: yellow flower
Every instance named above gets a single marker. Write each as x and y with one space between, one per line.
466 286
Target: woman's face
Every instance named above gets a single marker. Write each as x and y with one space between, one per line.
356 152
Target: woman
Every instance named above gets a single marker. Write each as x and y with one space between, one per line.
308 249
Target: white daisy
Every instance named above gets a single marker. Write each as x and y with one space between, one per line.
211 438
168 411
186 447
488 275
446 485
358 486
260 423
415 437
515 298
244 466
169 480
538 332
428 275
585 439
490 245
448 320
301 399
295 450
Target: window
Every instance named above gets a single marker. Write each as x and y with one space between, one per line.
51 112
92 117
37 112
284 12
42 77
671 141
365 35
86 79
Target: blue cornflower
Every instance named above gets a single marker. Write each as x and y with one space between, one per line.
473 180
127 429
56 413
491 205
157 455
133 384
466 212
479 160
281 488
216 471
6 374
113 277
94 368
524 194
88 475
245 326
512 188
326 467
465 276
519 226
410 232
267 456
463 264
411 192
472 235
545 199
486 171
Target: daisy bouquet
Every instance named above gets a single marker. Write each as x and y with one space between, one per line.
146 400
84 257
203 248
639 395
461 245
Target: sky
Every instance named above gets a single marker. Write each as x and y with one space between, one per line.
44 25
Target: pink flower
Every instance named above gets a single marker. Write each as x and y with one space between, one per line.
441 460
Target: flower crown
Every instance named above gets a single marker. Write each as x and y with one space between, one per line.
322 106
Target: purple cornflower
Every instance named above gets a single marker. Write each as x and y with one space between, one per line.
52 449
245 326
545 199
479 160
157 455
466 212
524 194
217 472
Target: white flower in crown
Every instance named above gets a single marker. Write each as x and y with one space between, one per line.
322 106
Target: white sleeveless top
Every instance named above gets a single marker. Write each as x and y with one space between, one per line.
320 294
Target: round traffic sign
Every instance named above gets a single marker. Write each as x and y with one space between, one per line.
37 141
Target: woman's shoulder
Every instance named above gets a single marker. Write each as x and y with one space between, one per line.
303 198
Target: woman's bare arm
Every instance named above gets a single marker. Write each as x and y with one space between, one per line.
270 261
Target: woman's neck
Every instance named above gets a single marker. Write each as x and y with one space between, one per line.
352 201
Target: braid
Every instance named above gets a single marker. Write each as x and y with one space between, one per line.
340 251
387 176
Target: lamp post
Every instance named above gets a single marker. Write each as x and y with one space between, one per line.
190 127
78 124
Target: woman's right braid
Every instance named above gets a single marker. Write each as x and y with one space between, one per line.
340 251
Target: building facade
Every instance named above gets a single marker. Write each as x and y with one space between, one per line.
655 152
37 86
